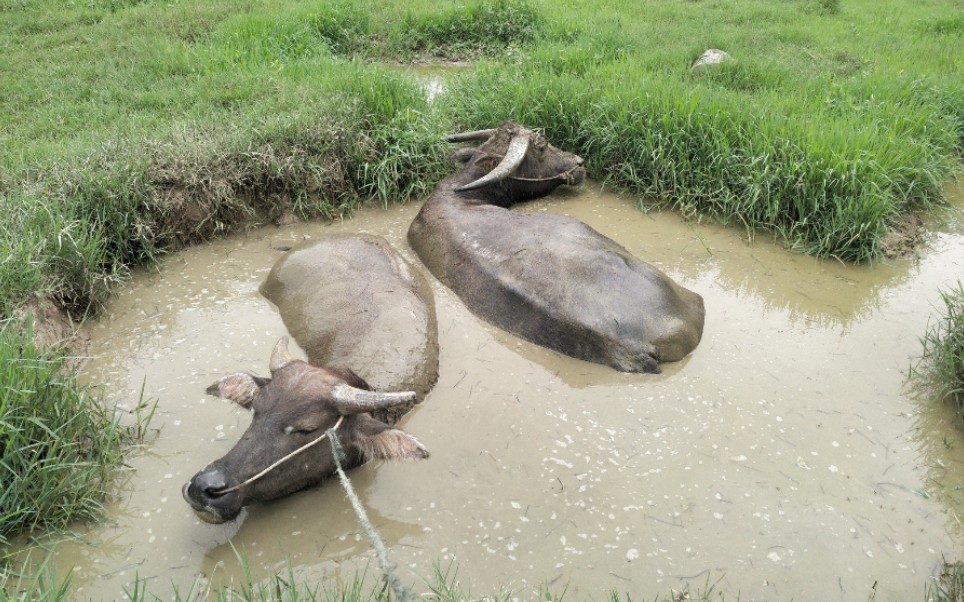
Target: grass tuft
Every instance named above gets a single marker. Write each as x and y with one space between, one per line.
342 24
39 584
941 366
944 26
60 446
821 7
443 585
949 585
478 28
268 39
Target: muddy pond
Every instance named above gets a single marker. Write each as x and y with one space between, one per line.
785 459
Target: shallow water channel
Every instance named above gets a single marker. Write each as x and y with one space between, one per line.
785 459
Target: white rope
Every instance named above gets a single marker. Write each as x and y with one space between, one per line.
281 461
402 593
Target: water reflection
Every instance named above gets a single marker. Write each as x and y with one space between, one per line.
937 429
314 527
434 78
810 291
941 446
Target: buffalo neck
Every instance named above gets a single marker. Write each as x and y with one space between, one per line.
498 193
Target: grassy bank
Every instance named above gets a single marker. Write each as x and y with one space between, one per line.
75 231
135 127
824 142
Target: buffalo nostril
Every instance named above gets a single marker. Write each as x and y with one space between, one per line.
210 483
214 492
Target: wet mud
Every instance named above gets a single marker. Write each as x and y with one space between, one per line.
786 458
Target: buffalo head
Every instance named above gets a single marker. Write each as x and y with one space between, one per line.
294 407
516 163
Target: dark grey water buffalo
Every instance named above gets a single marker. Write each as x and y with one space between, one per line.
293 408
354 302
549 279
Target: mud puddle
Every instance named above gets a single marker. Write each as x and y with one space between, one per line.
785 459
434 78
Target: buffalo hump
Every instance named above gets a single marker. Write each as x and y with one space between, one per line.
564 286
353 302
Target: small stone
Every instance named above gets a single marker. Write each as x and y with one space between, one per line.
709 58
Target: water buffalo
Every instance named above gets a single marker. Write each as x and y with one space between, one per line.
354 302
549 279
291 409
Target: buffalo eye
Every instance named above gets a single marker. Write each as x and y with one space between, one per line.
303 429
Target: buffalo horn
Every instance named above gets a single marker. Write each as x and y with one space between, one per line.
280 356
516 152
469 136
351 400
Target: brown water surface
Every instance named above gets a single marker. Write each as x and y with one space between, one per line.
784 459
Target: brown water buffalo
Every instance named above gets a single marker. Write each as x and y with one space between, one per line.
354 302
292 408
549 279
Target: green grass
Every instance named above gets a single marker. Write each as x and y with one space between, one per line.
940 369
949 586
443 586
822 145
466 31
60 449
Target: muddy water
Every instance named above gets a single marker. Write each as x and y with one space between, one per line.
784 459
434 79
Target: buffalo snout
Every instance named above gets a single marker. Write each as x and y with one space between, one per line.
576 175
205 494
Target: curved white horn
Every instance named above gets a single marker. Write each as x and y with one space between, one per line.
514 155
351 400
468 136
280 356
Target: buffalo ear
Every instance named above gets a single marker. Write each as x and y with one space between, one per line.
463 155
240 388
487 163
378 441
